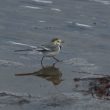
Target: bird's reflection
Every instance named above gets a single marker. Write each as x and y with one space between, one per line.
50 73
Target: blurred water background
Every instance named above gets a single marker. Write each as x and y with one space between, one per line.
84 25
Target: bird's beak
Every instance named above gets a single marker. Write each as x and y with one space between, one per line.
61 44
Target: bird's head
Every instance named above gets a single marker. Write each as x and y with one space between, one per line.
57 41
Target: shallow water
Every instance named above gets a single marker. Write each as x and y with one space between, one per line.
82 24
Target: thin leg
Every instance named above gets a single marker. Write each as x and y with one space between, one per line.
56 59
42 61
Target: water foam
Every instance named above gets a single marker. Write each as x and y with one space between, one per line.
83 25
32 7
22 44
43 1
56 9
103 1
9 63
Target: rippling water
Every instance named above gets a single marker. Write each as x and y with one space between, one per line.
84 26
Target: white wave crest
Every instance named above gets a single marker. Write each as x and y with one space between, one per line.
8 63
32 7
43 1
78 62
56 9
83 25
22 44
103 1
41 21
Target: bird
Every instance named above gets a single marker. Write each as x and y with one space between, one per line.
50 49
